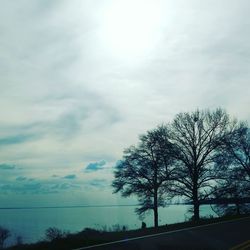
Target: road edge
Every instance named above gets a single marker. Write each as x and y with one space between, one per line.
157 234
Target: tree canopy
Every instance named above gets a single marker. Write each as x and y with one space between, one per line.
199 137
195 156
146 171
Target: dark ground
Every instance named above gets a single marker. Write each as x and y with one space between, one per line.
225 235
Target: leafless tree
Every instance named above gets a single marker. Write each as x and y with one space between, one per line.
146 171
238 151
53 233
235 162
4 235
199 137
231 196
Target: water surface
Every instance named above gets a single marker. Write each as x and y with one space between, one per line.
30 223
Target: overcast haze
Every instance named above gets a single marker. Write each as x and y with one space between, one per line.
80 80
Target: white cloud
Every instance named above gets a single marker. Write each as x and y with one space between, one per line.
67 98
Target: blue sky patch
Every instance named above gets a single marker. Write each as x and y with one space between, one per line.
70 176
6 166
95 166
21 178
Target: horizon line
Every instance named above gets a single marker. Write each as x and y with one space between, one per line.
80 206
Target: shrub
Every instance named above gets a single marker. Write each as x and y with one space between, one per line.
4 234
19 240
118 228
53 233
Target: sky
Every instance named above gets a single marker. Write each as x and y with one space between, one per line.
80 80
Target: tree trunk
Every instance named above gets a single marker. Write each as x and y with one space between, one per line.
155 209
237 208
196 204
196 210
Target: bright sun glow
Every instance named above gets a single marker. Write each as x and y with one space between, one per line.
130 27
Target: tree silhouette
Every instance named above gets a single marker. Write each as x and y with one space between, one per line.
238 151
234 187
229 196
4 234
199 138
53 233
146 171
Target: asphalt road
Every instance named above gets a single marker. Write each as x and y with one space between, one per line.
233 234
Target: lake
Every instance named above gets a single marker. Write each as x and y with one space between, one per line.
31 223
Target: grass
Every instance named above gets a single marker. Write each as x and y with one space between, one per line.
90 236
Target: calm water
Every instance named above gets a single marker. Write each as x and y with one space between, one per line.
31 224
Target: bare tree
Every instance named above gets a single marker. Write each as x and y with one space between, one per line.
238 152
146 171
199 137
53 233
4 234
231 195
234 188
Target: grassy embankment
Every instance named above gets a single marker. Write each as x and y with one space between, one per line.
92 237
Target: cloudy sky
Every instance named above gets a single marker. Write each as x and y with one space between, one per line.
81 79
